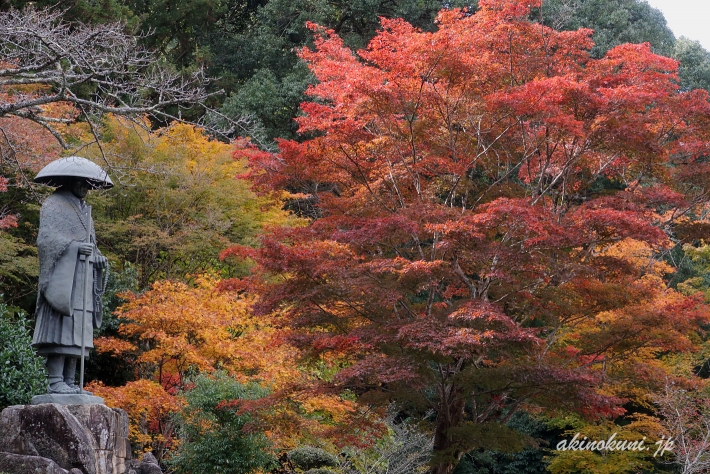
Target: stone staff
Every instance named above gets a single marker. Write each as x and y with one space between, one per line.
87 270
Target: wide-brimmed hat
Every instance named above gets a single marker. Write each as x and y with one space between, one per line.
62 170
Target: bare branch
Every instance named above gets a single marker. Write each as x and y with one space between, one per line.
99 69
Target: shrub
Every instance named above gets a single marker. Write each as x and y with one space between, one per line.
22 372
213 435
309 457
320 470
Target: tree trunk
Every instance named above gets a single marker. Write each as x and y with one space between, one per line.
446 454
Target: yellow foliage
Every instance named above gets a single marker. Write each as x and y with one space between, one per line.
642 428
335 407
640 255
177 202
175 330
178 329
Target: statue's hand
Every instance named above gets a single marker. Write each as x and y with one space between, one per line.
101 262
86 249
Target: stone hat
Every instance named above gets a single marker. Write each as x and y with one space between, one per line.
58 171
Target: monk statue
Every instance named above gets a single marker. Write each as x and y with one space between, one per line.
72 272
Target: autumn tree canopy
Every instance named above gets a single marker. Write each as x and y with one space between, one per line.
493 208
173 332
487 202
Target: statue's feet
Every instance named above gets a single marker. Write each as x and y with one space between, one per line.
76 388
62 388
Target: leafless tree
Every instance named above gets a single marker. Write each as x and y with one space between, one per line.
686 415
97 69
406 450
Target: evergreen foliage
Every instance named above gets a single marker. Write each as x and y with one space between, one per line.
105 366
614 22
22 372
694 69
216 437
310 457
530 460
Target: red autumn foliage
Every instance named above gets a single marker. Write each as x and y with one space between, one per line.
483 198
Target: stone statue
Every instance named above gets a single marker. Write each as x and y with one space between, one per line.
72 272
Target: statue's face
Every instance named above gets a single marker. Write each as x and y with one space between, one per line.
79 188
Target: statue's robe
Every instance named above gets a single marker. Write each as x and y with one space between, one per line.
60 303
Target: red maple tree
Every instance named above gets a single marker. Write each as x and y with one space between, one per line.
469 190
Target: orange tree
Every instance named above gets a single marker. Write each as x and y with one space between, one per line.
174 331
469 189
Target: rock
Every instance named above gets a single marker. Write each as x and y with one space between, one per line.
147 465
142 467
49 431
149 458
68 439
147 468
19 464
109 428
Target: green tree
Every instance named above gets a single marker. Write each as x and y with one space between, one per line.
531 460
698 274
614 22
405 448
311 457
22 372
18 270
86 11
694 69
110 369
19 267
271 101
179 29
630 21
217 437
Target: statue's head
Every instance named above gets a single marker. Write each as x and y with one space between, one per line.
79 187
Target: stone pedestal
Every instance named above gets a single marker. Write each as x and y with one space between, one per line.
67 439
67 399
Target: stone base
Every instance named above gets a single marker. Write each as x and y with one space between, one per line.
67 399
54 438
64 438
